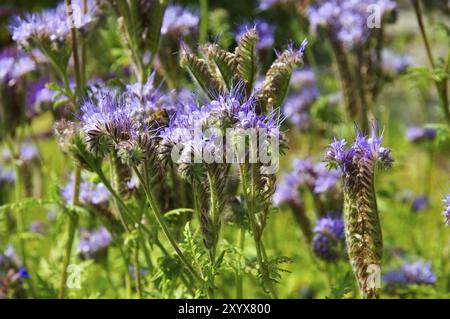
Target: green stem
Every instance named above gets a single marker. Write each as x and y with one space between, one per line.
239 275
76 62
137 272
441 86
162 224
127 272
203 21
249 195
73 225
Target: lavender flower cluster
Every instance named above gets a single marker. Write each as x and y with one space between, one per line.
51 27
418 272
329 238
347 20
305 92
93 243
90 193
364 148
316 177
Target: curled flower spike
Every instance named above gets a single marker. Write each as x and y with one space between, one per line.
362 225
265 31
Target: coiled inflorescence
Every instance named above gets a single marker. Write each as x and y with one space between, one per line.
329 238
362 225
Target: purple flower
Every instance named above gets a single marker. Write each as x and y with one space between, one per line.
51 27
15 64
447 209
417 134
417 272
420 203
287 190
37 227
92 243
329 238
267 4
265 31
393 63
23 272
7 176
38 96
90 193
179 21
368 147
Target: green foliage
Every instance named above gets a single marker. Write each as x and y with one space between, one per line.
343 287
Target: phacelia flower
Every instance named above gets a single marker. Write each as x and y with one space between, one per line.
329 238
417 134
51 25
90 193
420 203
346 20
39 96
92 243
7 176
179 22
15 64
418 272
305 92
265 31
362 226
28 153
393 63
447 209
267 4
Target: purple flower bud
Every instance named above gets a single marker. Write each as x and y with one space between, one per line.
417 134
91 243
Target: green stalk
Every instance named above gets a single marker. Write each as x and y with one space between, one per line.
162 224
203 21
72 228
76 62
137 271
239 275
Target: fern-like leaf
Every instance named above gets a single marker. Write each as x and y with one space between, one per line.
225 62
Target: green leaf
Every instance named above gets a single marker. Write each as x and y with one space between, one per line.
25 204
343 287
246 57
156 17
